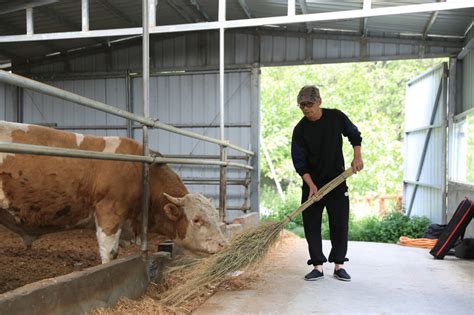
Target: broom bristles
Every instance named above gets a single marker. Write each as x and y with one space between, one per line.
245 249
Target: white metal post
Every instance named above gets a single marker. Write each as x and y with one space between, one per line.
152 12
222 190
146 113
30 30
85 15
291 7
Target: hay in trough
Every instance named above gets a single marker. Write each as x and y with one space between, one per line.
245 249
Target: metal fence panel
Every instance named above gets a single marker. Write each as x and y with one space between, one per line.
425 146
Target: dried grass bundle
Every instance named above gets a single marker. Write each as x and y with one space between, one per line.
245 249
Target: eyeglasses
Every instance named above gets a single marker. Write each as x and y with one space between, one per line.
305 104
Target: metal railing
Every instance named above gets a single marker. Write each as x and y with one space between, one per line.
21 148
44 88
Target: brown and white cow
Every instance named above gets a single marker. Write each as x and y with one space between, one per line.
43 194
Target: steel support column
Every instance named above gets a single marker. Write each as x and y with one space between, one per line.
222 188
254 186
129 103
30 28
146 113
85 15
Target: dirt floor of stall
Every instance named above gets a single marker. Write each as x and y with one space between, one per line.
51 255
386 278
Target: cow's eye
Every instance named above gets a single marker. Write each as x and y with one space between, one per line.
197 221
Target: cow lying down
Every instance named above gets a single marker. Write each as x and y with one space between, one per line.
42 194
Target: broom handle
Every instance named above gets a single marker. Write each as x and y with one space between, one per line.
320 194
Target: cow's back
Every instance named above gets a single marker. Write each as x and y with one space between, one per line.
40 194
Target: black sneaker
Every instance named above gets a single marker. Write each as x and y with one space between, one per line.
314 275
342 275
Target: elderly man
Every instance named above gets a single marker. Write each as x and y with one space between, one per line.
316 150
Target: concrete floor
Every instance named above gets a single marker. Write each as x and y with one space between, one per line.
386 278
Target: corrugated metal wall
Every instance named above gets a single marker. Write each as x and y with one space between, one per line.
420 100
8 100
193 99
51 111
200 50
278 50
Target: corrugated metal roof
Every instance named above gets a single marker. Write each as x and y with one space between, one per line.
65 15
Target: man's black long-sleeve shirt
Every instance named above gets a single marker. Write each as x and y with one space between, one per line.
316 146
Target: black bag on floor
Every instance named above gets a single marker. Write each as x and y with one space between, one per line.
455 229
465 249
434 231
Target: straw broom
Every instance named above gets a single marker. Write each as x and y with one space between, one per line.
245 249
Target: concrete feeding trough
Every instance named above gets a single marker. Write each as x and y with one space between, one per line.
81 291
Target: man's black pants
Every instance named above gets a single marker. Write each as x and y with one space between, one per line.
337 206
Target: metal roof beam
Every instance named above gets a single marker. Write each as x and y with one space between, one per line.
466 49
181 8
430 22
182 11
9 27
304 9
246 9
364 27
15 6
52 14
229 24
201 11
106 4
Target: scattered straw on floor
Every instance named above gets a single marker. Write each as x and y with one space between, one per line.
150 302
246 249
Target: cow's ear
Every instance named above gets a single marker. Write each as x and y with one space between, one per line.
172 211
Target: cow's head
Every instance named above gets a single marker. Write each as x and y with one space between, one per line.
197 223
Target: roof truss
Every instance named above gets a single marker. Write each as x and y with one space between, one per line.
253 22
